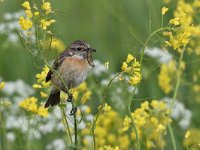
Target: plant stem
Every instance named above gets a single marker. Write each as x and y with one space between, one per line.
178 80
101 108
174 98
172 137
3 139
133 125
66 125
75 131
148 39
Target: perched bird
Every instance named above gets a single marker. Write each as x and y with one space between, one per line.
69 70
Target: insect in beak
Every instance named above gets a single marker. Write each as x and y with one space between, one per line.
89 56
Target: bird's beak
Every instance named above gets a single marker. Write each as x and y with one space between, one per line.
91 49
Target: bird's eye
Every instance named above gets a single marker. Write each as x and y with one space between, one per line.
78 48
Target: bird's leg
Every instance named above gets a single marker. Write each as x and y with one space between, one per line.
73 111
74 108
70 98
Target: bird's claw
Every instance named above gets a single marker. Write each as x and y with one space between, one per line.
73 111
70 98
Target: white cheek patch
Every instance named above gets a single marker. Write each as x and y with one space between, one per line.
78 56
70 53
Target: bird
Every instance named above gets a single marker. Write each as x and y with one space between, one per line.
69 70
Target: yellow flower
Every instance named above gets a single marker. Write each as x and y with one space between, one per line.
126 123
26 5
164 10
175 21
43 112
151 122
36 13
192 139
129 58
42 76
45 84
29 13
187 134
124 66
161 128
106 107
196 3
134 80
165 77
25 23
132 68
57 44
111 138
45 23
29 104
47 7
81 93
2 85
124 141
37 86
43 95
107 64
86 141
87 110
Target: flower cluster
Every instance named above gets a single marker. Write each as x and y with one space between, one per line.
57 44
164 10
150 120
183 26
192 139
108 131
131 67
105 108
41 83
81 93
2 84
30 104
167 75
36 15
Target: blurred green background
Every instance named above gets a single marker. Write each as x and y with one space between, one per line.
106 25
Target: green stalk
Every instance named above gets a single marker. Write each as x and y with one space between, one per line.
178 80
3 140
75 131
101 109
66 125
174 98
133 125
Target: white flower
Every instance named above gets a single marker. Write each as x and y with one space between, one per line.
89 117
163 56
13 37
99 68
180 113
11 136
17 87
57 144
8 16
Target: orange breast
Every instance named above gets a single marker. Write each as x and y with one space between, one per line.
73 71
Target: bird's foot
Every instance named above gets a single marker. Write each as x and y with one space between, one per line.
73 111
70 98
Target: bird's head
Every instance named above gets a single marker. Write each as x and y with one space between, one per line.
80 48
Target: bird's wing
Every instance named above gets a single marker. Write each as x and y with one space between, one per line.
57 63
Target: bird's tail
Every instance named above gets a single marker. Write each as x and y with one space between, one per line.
53 99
